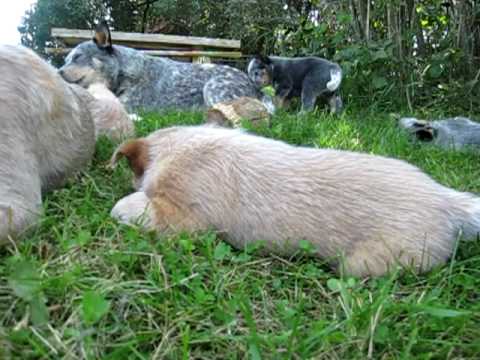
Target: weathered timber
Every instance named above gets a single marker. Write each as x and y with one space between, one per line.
192 53
73 37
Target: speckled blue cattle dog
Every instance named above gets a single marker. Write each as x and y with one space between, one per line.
145 82
309 78
451 133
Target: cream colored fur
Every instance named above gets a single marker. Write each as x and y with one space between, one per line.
374 212
110 116
46 134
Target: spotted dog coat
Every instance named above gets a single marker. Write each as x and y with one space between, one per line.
374 211
457 133
309 78
150 83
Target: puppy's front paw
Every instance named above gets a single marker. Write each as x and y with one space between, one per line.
134 209
135 117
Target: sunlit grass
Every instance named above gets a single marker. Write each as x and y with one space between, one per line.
82 286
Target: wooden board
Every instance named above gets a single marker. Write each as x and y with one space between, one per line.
73 37
193 53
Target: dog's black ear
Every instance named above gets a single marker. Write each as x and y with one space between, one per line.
102 37
262 58
425 133
265 59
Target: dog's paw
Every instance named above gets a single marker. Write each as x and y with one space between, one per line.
134 209
135 117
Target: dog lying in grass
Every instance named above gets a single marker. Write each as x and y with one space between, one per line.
309 78
47 133
143 82
372 211
453 133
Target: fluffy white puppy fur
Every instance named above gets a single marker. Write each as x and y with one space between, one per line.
372 211
47 133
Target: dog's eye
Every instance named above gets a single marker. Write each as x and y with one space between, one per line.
76 57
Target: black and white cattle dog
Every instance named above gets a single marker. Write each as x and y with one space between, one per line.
309 78
145 82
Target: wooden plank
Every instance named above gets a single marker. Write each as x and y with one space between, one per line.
193 53
73 35
72 42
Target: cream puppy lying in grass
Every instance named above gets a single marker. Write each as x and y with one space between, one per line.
372 211
47 133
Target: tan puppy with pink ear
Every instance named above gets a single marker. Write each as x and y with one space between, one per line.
374 211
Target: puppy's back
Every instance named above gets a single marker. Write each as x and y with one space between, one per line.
374 210
46 133
41 111
28 84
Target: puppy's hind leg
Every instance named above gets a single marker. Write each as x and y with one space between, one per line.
16 216
20 197
309 97
336 104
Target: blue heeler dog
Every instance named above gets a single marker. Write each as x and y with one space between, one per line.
310 78
452 133
149 83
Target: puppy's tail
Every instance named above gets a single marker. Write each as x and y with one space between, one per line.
335 79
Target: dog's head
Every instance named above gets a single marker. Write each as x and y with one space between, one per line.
93 61
260 71
422 130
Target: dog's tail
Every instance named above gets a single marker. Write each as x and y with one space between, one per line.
335 79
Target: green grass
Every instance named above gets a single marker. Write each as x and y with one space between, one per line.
82 286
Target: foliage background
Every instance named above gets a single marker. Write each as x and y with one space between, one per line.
82 286
415 53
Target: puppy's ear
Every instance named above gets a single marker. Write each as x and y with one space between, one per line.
425 133
102 37
136 152
265 59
